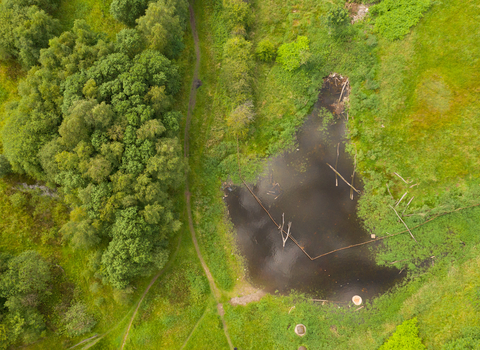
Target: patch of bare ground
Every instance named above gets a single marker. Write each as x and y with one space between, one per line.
357 11
249 298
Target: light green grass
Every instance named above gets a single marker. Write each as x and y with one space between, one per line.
445 302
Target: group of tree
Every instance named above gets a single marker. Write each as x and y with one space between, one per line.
95 118
161 22
26 26
25 285
237 66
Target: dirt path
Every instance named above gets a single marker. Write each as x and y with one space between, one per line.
191 106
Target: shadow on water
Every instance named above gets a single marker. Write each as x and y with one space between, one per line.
301 185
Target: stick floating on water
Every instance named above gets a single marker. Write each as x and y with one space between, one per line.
336 172
336 163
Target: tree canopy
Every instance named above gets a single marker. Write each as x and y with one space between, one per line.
24 283
96 119
25 29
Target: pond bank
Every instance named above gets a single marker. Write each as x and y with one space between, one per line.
301 186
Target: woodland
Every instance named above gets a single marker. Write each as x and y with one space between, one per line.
109 174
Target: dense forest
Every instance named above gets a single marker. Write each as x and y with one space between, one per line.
96 246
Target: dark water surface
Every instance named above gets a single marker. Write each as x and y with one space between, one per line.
301 185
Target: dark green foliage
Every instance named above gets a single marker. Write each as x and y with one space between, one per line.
130 42
24 283
24 30
78 321
394 18
47 5
127 11
133 248
5 167
34 120
292 55
265 51
102 128
163 26
337 16
405 337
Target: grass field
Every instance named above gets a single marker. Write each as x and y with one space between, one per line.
414 110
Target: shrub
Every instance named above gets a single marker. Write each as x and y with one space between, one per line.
237 66
405 337
18 200
265 51
293 55
78 321
395 17
337 16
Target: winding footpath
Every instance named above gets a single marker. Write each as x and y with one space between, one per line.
216 293
191 106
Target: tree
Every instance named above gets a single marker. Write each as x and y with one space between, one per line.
127 11
78 321
24 31
163 28
130 42
237 14
240 117
237 67
23 284
47 5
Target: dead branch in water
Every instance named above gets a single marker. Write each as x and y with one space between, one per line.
403 222
288 233
341 94
336 172
336 163
281 227
353 175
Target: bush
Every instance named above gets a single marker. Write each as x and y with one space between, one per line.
78 321
237 67
18 200
405 337
5 167
265 51
337 16
293 55
395 17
